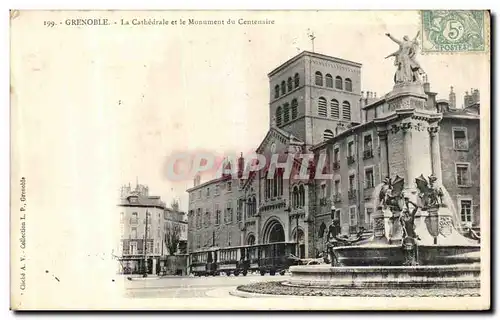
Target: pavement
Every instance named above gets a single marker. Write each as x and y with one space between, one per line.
191 287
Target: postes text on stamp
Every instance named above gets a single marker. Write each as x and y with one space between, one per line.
453 31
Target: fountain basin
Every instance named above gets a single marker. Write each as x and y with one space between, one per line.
447 276
393 255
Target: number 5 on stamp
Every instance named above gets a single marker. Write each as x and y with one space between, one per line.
454 31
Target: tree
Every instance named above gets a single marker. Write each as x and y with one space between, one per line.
172 238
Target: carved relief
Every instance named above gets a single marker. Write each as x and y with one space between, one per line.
433 130
417 104
379 227
406 126
445 226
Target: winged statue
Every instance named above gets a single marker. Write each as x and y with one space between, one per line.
390 195
429 192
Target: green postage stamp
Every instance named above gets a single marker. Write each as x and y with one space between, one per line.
454 31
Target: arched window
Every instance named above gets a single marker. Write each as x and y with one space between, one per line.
327 134
322 229
276 91
346 110
329 80
254 206
290 84
267 189
318 79
278 116
294 108
283 87
322 107
251 240
302 196
338 83
295 197
348 85
280 183
335 111
286 115
296 79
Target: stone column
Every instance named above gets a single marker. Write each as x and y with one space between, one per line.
154 265
406 128
435 152
384 161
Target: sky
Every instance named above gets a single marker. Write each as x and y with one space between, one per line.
173 89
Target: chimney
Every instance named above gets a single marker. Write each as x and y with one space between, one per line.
427 85
452 98
475 96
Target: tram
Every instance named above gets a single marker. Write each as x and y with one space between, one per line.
269 258
276 257
234 260
204 262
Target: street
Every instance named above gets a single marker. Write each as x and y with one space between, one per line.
191 287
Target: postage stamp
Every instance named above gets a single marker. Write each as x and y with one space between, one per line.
454 31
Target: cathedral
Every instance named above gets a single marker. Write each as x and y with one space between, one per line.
316 107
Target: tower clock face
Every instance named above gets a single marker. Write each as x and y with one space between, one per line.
273 147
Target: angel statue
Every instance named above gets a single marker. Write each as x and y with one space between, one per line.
408 69
390 193
429 192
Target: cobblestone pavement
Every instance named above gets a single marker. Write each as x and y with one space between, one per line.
190 287
276 288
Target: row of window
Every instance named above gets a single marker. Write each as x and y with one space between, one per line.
339 83
465 208
207 240
134 219
132 248
274 187
207 191
463 179
334 109
285 114
228 215
289 84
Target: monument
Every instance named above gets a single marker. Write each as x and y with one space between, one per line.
415 242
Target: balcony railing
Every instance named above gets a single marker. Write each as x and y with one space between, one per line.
367 154
336 165
350 159
351 194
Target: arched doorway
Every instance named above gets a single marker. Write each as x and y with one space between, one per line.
274 232
301 250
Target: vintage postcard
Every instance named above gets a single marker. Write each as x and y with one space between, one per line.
250 160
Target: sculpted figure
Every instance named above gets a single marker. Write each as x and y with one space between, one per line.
408 69
407 219
390 193
429 192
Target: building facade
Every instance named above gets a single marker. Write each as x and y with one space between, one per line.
145 220
317 108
